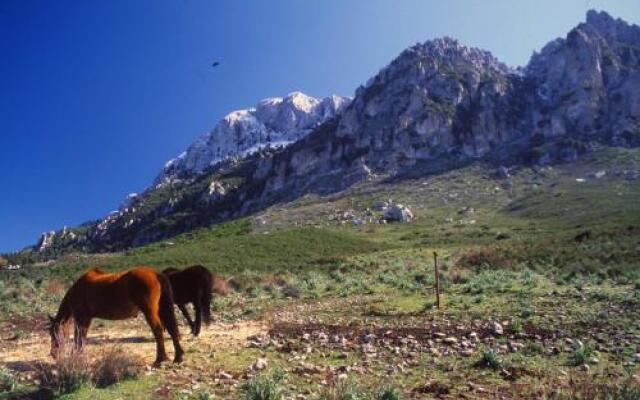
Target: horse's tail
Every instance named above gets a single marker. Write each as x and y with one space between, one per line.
205 301
167 315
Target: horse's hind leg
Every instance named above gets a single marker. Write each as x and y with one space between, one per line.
185 312
205 300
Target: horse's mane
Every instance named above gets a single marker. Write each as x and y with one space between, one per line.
95 270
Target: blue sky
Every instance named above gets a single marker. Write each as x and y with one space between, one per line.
95 95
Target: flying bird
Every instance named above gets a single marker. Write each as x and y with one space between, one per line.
215 63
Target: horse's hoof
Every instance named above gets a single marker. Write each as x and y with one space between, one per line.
178 359
158 362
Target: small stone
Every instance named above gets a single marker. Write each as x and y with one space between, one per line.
466 352
259 364
450 340
224 375
368 338
497 329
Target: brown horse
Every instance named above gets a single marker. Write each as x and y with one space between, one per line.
116 296
192 285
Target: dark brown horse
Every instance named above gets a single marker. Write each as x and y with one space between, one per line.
116 296
192 285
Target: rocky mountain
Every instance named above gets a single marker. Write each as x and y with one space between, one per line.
437 105
273 122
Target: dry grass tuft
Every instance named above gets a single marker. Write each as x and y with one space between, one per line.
220 285
487 257
116 365
70 371
54 287
73 369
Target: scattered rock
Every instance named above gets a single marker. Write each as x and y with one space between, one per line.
260 364
398 213
497 329
380 205
224 375
450 340
503 172
368 338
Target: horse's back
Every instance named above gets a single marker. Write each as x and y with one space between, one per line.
118 295
189 283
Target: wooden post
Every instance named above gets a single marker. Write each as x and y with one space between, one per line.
437 272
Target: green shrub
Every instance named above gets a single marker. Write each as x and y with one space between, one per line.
489 359
264 387
388 392
342 390
219 304
583 353
8 382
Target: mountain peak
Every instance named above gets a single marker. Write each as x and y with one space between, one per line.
450 49
273 122
597 18
612 29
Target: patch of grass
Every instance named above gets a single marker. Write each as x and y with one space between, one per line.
489 358
583 353
343 390
264 387
388 392
8 382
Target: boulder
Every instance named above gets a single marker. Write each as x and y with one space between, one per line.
398 213
503 172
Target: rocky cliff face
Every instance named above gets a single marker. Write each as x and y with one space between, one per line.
437 104
586 85
274 122
441 102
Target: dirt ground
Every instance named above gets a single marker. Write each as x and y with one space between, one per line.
21 354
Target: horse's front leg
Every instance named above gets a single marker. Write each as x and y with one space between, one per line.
198 323
156 327
80 332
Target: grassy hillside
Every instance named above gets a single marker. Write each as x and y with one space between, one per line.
552 254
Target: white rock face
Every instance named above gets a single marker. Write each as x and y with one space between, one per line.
273 122
46 241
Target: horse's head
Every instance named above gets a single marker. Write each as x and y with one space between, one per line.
54 331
